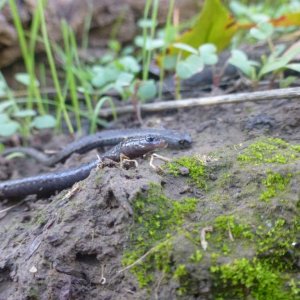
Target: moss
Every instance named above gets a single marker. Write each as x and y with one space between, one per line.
270 150
196 256
224 224
181 274
268 275
33 293
39 219
196 169
243 278
156 219
250 253
296 148
273 184
275 243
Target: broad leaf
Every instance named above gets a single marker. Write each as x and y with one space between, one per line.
291 19
214 25
295 67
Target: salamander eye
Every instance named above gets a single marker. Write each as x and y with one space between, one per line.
184 143
150 139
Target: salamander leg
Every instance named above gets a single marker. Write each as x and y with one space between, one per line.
126 160
157 156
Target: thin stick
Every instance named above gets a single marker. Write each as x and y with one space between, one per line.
11 207
287 93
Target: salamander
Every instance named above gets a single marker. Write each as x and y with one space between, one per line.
56 181
104 138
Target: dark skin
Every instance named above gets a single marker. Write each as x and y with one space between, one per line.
56 181
104 138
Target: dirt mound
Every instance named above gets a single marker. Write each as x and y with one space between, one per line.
223 221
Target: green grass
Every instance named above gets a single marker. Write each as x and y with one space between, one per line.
77 96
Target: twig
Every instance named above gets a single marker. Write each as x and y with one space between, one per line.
11 207
287 93
204 243
139 260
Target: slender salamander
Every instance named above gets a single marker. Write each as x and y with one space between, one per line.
104 138
56 181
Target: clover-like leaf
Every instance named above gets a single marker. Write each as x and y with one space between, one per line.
9 128
4 118
24 113
43 122
130 64
147 90
263 31
189 67
25 79
240 60
208 53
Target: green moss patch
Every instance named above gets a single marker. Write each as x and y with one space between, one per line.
269 274
274 183
269 150
157 219
243 278
195 168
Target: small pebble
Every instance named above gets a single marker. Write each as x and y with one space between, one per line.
213 177
184 171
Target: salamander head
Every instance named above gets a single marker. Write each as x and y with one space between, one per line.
138 146
174 138
185 141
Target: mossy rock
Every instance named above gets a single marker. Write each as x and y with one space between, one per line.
239 240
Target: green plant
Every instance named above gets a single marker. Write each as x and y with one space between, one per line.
204 55
14 118
275 63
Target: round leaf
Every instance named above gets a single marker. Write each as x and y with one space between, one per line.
169 63
145 23
42 122
240 60
24 78
6 104
130 64
189 67
147 90
208 54
9 128
24 113
262 31
4 118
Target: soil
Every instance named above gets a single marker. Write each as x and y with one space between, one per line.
70 246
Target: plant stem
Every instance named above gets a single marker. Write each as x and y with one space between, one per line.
164 51
70 74
53 70
146 67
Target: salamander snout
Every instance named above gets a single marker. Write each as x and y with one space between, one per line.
185 141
